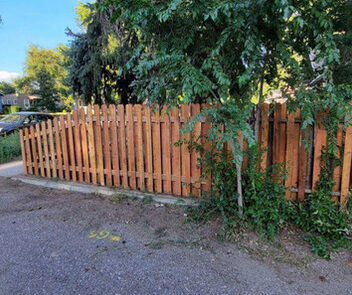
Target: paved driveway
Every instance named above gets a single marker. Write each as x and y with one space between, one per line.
11 169
58 242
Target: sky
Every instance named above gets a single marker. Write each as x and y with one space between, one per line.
26 22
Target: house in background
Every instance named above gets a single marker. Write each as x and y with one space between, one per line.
1 104
23 101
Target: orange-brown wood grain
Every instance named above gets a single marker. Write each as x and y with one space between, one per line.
185 154
64 147
131 146
346 167
46 150
77 144
52 148
140 148
166 151
176 151
157 158
107 153
114 145
122 142
40 149
23 150
71 147
320 143
84 145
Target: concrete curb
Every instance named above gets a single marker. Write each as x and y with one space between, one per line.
104 191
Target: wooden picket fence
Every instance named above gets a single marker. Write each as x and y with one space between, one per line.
133 147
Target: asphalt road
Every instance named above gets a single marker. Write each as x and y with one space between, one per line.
58 242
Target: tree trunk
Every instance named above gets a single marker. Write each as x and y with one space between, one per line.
239 178
257 110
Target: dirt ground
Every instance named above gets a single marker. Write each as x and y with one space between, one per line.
59 242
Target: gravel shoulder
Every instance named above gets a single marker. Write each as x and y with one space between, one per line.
59 242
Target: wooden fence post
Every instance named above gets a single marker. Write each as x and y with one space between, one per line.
23 150
346 168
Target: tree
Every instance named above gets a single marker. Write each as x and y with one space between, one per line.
47 92
24 85
6 88
223 52
343 25
44 69
97 59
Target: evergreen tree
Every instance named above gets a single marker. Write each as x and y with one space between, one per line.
97 60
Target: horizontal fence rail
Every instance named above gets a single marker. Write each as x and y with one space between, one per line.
133 147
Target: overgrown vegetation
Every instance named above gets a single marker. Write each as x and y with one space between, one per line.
264 205
328 226
265 209
10 148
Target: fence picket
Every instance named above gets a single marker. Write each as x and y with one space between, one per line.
84 145
207 147
28 151
166 151
71 147
157 152
303 157
149 149
176 156
23 150
185 155
40 149
52 149
46 150
122 141
99 145
289 154
91 144
34 150
107 154
78 148
131 146
279 135
195 168
295 155
346 168
139 145
264 134
114 145
320 142
337 170
64 147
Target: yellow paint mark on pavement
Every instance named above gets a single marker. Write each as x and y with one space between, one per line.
115 238
103 235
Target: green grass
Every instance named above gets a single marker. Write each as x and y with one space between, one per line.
10 148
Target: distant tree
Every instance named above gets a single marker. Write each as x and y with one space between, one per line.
24 85
97 71
6 88
45 68
47 92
